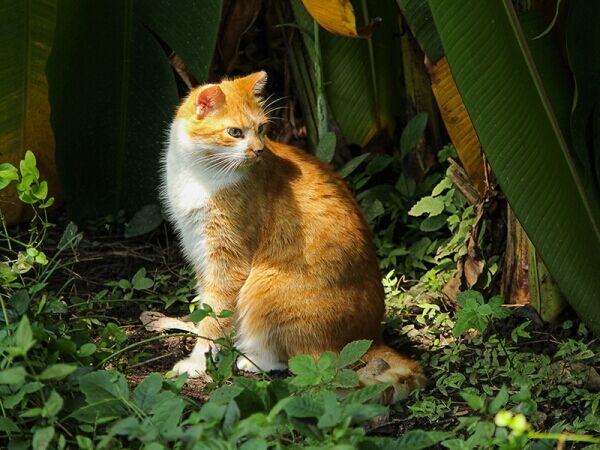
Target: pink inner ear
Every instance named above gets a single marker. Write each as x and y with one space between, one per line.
208 100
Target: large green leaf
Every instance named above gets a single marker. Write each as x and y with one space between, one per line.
361 77
418 15
519 132
113 94
26 31
583 46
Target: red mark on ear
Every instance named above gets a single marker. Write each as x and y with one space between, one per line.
210 99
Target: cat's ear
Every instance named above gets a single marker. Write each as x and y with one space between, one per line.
208 100
255 82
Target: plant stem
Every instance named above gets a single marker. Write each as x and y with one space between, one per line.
564 437
144 342
4 311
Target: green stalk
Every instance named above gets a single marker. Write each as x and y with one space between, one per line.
564 437
317 68
144 342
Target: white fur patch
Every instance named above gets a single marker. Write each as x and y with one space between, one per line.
258 351
189 182
195 364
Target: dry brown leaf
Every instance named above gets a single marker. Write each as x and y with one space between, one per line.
470 266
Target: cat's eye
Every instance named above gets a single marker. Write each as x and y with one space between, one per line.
235 132
261 128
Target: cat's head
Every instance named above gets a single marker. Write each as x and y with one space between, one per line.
223 125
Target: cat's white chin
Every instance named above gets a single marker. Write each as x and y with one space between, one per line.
193 367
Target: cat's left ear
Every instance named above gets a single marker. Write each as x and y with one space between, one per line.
209 99
255 82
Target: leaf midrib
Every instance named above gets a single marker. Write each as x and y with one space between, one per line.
514 21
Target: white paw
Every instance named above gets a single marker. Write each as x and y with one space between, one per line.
246 365
152 321
193 367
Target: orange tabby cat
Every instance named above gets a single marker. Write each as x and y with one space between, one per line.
274 235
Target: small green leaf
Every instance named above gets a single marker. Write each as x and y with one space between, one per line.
84 443
374 209
305 369
40 191
8 426
28 165
303 407
69 237
499 401
378 164
8 173
147 219
231 416
327 361
42 438
225 314
57 371
86 349
432 206
353 351
332 412
419 439
140 281
361 413
20 301
474 401
346 378
167 414
366 394
53 405
352 165
28 388
412 133
101 386
124 284
13 375
433 223
145 394
199 314
24 335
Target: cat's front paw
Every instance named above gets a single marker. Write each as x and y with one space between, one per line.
193 367
153 321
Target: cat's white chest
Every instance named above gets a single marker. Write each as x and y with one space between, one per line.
187 205
188 188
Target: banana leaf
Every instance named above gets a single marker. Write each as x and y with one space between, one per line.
583 48
360 76
418 15
113 94
519 131
26 32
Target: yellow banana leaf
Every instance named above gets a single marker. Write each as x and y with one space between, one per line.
458 123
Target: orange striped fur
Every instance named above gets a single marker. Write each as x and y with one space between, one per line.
275 236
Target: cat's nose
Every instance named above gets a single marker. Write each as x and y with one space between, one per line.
257 151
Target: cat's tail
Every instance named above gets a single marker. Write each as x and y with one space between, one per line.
386 365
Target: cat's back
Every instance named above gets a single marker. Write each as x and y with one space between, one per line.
316 206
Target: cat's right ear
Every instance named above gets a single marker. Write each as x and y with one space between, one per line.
208 100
